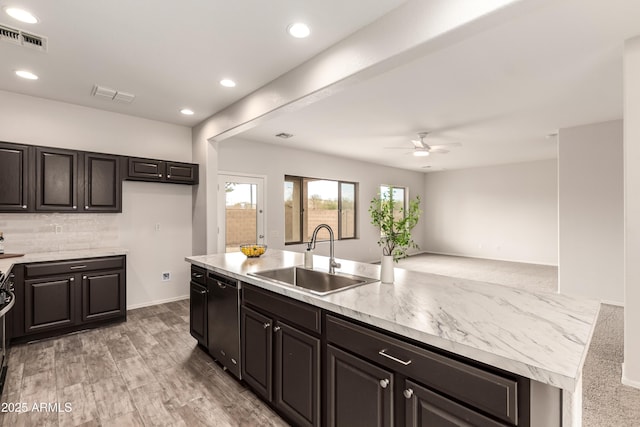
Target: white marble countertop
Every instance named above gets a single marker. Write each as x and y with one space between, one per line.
541 336
7 263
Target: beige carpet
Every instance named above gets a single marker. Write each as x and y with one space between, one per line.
606 402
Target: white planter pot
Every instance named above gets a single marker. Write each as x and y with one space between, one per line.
386 269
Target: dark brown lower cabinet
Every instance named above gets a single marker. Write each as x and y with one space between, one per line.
297 375
50 303
257 344
63 296
103 295
359 393
282 364
198 321
425 408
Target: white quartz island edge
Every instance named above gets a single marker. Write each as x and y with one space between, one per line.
541 336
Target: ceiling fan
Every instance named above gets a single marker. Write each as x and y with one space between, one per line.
421 148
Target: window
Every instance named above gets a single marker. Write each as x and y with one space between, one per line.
309 202
399 197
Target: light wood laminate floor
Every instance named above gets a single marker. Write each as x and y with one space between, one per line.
145 372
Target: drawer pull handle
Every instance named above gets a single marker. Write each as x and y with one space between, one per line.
221 285
384 383
383 352
84 277
266 325
408 393
77 267
71 279
203 292
197 275
24 206
276 329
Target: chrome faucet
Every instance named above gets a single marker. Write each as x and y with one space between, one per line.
312 245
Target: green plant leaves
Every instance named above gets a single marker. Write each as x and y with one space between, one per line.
395 227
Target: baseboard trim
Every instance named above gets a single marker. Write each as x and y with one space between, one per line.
629 382
156 302
484 257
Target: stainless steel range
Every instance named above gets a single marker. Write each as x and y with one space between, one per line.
7 300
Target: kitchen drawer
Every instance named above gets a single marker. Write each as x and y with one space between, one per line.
292 311
494 394
73 266
198 275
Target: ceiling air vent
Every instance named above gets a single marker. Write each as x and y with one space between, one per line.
22 38
112 94
284 135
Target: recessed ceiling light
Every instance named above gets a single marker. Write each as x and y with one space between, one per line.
420 153
299 30
227 83
187 112
21 15
26 75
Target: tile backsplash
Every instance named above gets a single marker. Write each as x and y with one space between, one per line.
29 233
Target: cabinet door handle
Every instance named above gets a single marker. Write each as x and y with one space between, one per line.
383 352
266 325
408 393
86 207
168 176
276 329
197 275
24 206
74 207
71 279
221 285
203 292
77 267
159 175
84 277
384 383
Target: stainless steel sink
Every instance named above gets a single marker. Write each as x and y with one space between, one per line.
316 282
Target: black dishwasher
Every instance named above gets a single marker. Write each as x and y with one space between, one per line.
224 320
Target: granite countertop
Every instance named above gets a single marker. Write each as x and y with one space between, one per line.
541 336
7 263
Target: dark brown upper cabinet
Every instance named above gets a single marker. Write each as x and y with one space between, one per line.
56 180
14 176
102 185
162 171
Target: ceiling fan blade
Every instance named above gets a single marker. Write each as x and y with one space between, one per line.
438 150
417 143
446 144
396 148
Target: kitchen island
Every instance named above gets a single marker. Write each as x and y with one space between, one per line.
542 337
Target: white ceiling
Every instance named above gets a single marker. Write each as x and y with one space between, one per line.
497 93
171 54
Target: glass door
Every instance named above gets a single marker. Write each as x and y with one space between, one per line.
241 211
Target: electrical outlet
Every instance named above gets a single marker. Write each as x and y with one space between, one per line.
58 229
166 276
157 226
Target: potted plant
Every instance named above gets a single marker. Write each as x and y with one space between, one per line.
395 225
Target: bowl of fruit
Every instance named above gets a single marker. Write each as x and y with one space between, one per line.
253 250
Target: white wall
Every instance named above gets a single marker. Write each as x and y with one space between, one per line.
631 367
238 155
506 212
37 121
591 228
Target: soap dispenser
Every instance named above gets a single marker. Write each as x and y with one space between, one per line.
308 257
